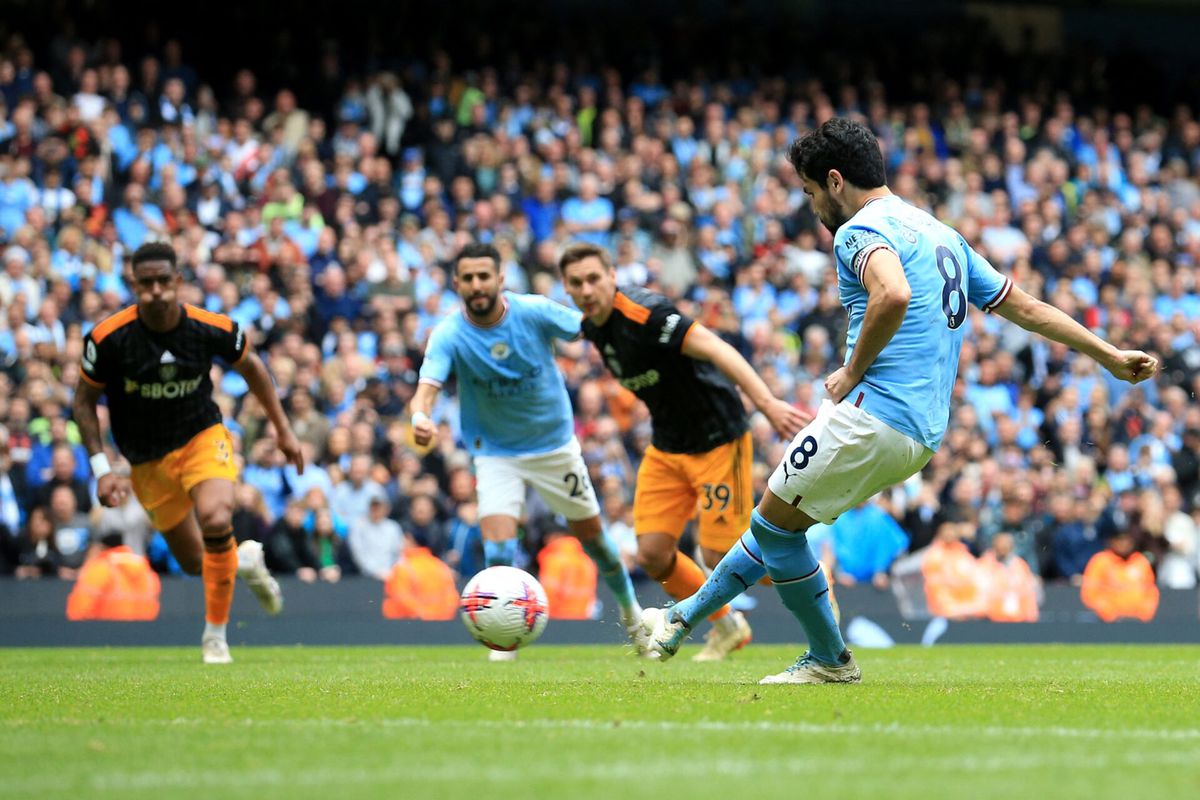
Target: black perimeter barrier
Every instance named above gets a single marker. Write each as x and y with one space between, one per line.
32 614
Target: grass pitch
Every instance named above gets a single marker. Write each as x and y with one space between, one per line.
591 722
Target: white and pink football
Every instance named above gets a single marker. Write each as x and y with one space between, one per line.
504 608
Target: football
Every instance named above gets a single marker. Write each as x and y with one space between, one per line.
504 608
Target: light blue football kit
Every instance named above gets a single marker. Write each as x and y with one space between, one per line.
910 382
512 398
884 430
517 421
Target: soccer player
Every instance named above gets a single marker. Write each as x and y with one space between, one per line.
516 418
152 362
905 280
701 452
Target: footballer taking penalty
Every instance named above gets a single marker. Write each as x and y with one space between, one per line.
905 280
516 418
701 454
152 362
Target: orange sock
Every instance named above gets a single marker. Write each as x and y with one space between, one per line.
685 580
219 571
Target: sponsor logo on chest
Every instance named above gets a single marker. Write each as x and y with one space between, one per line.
638 382
168 386
643 380
167 390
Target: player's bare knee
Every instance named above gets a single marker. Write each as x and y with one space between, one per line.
215 521
654 562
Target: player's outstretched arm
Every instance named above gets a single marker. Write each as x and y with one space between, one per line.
109 488
423 428
1042 318
262 386
704 345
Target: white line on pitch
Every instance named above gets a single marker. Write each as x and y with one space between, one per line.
603 770
811 728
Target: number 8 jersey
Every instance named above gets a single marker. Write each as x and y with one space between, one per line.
921 360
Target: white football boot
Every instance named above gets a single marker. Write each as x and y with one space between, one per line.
727 634
252 568
640 637
808 670
215 650
665 636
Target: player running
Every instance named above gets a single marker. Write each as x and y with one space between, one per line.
905 280
701 453
152 362
516 418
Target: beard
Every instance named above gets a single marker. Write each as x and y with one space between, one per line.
480 311
833 220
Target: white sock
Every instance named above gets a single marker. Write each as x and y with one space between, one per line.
214 630
726 624
632 615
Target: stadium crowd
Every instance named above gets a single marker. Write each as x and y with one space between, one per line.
328 231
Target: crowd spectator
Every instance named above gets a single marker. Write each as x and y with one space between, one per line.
72 529
115 584
954 586
329 542
464 550
1011 587
1076 535
865 540
568 576
420 586
1119 583
37 553
251 517
353 496
376 543
422 524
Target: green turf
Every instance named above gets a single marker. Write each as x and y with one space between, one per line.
589 722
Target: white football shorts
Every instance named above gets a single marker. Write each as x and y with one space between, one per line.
842 458
559 476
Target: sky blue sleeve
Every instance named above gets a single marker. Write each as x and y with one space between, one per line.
854 244
439 357
558 321
986 287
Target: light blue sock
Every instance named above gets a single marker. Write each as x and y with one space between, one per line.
741 568
499 554
603 551
801 584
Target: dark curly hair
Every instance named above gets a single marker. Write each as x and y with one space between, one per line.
153 251
844 145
